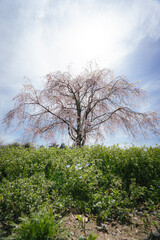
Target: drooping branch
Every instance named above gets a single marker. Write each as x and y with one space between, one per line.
95 102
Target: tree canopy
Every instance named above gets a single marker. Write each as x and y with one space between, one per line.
94 103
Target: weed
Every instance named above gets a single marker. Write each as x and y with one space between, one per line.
39 226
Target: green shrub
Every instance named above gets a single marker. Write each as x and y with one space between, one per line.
22 196
22 162
39 226
105 181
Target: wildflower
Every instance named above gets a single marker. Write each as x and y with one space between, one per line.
67 166
78 166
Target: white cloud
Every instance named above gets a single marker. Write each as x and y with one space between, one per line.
55 35
52 34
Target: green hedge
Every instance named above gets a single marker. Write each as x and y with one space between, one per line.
105 181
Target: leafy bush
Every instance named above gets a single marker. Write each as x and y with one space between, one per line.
22 162
22 196
104 181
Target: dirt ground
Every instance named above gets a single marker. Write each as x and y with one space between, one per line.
141 227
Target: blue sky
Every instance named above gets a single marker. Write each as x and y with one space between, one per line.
42 36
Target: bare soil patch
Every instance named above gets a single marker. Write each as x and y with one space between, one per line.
140 227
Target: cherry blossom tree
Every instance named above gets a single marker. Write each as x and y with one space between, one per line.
92 104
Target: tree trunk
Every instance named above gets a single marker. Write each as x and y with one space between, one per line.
79 141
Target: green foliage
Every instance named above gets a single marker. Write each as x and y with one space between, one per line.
22 196
92 236
22 162
39 226
105 181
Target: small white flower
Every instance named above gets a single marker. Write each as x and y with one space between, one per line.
67 166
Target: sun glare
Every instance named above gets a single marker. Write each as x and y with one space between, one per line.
100 38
